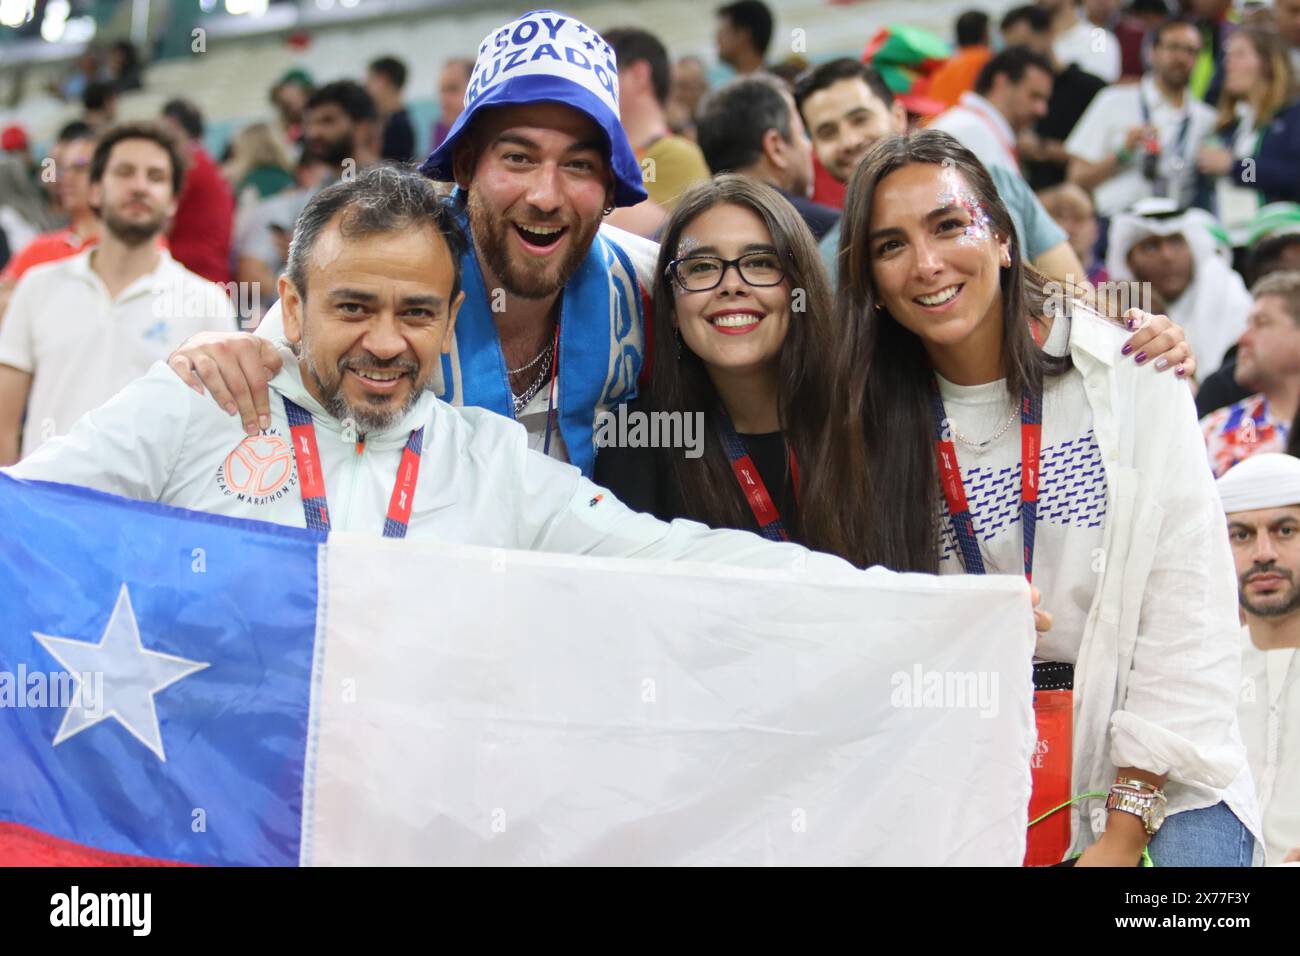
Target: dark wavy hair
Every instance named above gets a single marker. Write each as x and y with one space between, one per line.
813 424
884 371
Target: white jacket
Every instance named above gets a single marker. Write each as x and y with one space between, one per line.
158 440
1159 666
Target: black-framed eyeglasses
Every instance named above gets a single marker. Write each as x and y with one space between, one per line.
701 273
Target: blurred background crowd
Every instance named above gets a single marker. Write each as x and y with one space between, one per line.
1153 141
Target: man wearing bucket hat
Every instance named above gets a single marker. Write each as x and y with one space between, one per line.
551 331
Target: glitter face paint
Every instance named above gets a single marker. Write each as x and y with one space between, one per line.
686 247
957 193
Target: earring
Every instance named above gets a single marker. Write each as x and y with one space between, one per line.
608 210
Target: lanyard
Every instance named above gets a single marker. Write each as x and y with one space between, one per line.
550 390
954 491
311 481
1180 141
751 482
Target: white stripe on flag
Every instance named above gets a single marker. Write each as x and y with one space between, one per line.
504 707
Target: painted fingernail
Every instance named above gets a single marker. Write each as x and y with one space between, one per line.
1180 371
1162 363
1131 323
1140 357
1126 349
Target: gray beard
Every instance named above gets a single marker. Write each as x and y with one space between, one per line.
368 419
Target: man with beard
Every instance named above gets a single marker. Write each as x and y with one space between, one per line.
341 123
356 442
1261 497
551 332
79 329
1140 140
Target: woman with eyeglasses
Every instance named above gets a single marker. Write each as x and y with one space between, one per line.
742 331
989 453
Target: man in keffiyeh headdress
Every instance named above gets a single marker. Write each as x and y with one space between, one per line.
551 331
1261 497
1176 252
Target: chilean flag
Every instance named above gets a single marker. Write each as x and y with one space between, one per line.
155 671
180 688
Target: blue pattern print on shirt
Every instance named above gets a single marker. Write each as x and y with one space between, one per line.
1072 492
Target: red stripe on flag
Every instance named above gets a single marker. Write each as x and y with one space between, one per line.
23 846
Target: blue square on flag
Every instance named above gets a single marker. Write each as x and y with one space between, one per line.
156 713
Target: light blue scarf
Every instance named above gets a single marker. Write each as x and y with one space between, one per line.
602 345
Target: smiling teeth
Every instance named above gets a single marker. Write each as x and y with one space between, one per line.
380 376
939 298
735 320
542 230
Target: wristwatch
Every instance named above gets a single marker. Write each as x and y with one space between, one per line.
1140 799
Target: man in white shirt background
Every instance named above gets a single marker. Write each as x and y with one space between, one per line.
79 329
1010 95
1086 40
1261 497
1136 141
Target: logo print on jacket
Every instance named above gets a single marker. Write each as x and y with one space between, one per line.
259 469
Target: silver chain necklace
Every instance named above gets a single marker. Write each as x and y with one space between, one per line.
546 349
988 441
521 401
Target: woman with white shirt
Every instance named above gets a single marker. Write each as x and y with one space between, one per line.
1115 518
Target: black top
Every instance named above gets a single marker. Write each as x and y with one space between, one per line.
1072 91
399 138
641 477
1220 388
819 218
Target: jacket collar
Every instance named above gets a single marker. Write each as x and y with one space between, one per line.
1090 334
288 382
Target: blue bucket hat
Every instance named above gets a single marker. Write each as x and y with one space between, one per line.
547 57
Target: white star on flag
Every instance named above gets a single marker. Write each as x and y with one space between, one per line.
131 676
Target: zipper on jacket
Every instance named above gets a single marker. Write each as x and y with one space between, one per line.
355 463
